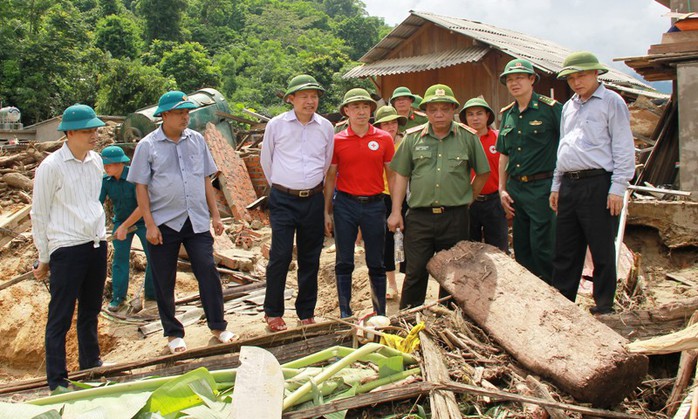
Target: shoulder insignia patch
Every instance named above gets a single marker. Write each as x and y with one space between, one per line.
506 108
419 113
415 129
342 123
469 129
548 101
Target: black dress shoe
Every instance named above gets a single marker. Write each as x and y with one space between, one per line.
598 310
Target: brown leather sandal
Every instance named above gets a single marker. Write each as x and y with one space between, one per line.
275 324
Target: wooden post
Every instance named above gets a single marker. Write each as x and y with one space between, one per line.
539 327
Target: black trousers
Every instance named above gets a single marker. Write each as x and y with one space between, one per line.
304 218
425 234
78 274
488 222
389 247
582 219
163 257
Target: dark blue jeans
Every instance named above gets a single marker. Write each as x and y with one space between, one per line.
199 247
349 215
78 274
303 217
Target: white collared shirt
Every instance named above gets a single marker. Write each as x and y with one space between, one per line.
66 210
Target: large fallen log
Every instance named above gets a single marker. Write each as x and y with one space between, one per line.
657 321
544 331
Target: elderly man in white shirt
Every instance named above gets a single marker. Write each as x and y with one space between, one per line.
70 236
296 152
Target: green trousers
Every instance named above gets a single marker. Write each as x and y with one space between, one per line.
534 226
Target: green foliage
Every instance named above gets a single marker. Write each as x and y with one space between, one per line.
190 66
119 53
128 85
119 36
163 18
111 7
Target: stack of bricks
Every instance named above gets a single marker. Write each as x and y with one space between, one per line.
254 169
234 180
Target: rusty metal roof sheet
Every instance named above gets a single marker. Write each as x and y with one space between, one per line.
426 62
546 56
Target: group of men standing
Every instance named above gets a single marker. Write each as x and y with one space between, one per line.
558 172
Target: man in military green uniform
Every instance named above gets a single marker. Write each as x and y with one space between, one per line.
402 100
528 143
436 160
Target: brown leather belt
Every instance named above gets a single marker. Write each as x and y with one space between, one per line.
437 210
301 193
531 178
363 199
581 174
487 197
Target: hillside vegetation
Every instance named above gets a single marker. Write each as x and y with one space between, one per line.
120 55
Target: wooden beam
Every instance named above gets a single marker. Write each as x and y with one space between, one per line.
443 403
362 400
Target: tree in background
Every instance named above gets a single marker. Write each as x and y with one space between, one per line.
163 19
190 66
344 8
58 65
360 33
111 7
129 85
118 35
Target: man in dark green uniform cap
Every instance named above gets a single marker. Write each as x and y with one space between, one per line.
528 143
402 100
436 160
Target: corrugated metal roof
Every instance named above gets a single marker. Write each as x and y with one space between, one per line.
546 56
426 62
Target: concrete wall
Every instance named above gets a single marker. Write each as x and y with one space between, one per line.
687 80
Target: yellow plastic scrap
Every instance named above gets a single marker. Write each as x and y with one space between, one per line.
408 344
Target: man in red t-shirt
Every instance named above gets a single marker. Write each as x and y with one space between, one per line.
361 156
487 217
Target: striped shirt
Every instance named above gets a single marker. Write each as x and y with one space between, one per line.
66 210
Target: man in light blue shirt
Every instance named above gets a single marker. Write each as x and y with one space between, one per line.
296 153
171 169
595 162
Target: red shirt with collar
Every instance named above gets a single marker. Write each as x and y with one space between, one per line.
489 141
361 160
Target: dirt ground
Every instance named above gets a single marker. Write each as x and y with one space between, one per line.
24 307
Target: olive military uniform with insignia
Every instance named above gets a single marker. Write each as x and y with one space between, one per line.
530 139
440 191
414 117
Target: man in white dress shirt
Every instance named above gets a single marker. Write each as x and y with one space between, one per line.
70 235
296 153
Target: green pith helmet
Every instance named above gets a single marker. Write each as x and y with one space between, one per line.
173 100
114 154
401 91
518 65
79 117
386 114
477 101
357 95
438 93
580 61
303 82
417 101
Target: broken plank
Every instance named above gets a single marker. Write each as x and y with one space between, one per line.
542 392
555 338
16 221
443 403
19 278
187 318
404 392
657 321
